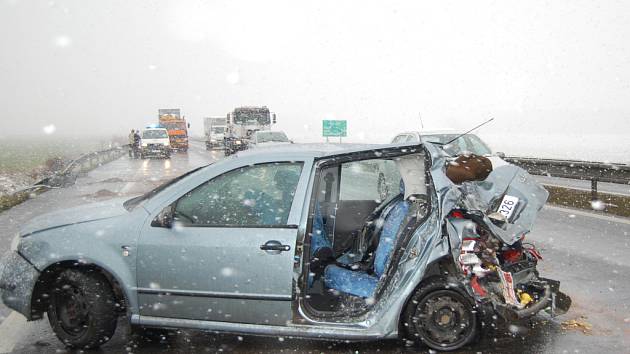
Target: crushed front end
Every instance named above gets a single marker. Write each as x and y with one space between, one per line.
487 220
499 276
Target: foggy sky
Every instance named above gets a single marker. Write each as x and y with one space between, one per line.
103 67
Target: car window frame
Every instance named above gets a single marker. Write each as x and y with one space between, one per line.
402 137
286 225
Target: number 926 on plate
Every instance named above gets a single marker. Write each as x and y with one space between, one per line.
507 206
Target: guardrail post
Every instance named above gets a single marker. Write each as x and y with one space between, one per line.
594 189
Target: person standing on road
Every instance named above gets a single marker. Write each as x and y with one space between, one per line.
131 140
136 143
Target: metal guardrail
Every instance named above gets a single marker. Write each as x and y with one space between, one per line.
65 177
83 163
581 170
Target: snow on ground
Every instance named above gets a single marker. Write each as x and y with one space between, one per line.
11 182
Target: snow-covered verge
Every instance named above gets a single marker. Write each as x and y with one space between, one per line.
12 182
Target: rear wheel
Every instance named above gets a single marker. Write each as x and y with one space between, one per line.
442 317
82 310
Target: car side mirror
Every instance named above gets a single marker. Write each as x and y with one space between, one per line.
273 118
164 218
188 125
501 154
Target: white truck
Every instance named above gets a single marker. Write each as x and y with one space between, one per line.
242 123
214 130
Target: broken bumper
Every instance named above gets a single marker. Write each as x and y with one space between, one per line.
550 297
17 281
156 151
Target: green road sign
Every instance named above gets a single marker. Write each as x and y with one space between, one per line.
334 128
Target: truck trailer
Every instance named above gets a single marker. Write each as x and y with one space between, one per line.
214 131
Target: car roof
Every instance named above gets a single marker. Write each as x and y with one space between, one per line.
317 150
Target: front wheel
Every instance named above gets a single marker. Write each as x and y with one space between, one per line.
441 316
82 310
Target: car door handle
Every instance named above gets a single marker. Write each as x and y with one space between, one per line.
274 245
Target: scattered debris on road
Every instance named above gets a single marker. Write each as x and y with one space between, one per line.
578 324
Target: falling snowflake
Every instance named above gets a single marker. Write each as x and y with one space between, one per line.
63 41
49 129
233 77
598 205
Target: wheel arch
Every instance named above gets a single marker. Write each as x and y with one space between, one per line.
40 296
441 268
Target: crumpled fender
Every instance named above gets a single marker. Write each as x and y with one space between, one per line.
485 196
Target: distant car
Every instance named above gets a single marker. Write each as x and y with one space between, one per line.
155 142
292 241
468 142
268 138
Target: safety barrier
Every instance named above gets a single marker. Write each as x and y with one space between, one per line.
581 170
82 164
65 177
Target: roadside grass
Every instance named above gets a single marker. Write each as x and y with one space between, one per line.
614 204
11 200
23 154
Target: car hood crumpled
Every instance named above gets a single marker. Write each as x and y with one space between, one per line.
76 215
485 196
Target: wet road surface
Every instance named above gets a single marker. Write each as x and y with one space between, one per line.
587 252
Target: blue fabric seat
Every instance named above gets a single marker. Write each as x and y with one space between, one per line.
360 283
319 239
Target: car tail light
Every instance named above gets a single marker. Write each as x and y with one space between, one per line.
512 255
457 214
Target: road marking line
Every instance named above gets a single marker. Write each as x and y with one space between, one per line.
11 331
615 219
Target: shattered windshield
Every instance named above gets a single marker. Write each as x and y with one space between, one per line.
252 116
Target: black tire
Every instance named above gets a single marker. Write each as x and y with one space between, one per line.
82 310
441 316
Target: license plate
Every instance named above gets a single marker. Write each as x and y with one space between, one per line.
507 206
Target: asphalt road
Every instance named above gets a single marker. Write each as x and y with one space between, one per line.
587 252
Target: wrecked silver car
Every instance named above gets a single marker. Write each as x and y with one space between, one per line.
294 241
